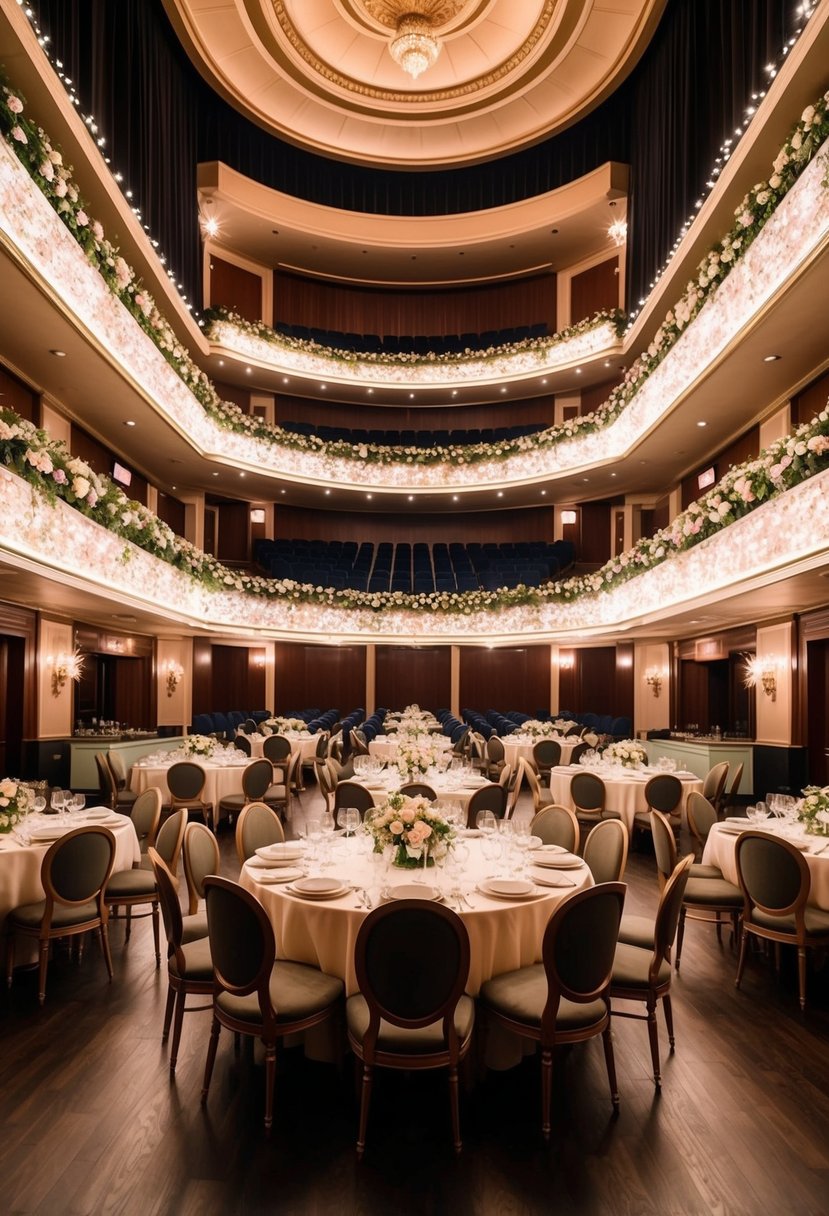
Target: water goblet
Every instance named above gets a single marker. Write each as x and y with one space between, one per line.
39 804
486 822
58 800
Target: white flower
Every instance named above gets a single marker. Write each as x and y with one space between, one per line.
80 487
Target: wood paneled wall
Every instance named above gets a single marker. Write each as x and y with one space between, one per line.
590 533
406 675
203 679
324 676
172 511
238 678
744 447
596 394
810 400
100 458
513 678
235 288
392 417
233 540
19 397
600 681
594 289
365 310
18 685
531 523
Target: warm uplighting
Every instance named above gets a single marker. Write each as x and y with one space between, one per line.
64 667
761 671
414 47
173 675
653 679
618 232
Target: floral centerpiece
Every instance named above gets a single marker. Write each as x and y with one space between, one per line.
416 758
814 810
283 724
538 729
199 745
16 800
562 725
626 752
416 829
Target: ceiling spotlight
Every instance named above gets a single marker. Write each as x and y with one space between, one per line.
414 47
59 354
702 423
771 358
129 422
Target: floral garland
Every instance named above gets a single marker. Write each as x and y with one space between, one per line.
540 346
16 801
45 165
55 473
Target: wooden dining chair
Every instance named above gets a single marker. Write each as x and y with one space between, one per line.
255 993
557 825
133 888
606 850
258 825
492 797
186 781
200 851
566 998
74 874
412 962
417 789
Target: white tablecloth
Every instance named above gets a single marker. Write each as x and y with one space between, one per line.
720 850
306 745
20 865
220 779
516 749
459 787
503 934
625 788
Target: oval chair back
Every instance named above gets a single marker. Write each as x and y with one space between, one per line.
351 793
145 814
119 773
587 790
667 915
109 791
256 778
714 783
170 906
76 868
169 840
557 825
249 726
242 943
185 780
734 788
664 847
321 751
701 817
243 744
258 825
578 751
276 748
418 789
664 793
491 797
546 755
606 850
495 750
201 857
574 970
773 875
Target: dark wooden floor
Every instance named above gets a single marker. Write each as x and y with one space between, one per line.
89 1122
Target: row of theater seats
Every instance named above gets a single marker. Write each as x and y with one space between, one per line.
493 722
418 568
414 439
412 344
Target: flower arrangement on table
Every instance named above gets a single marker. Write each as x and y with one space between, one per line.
417 830
16 800
538 729
814 810
413 758
199 745
626 752
562 725
283 724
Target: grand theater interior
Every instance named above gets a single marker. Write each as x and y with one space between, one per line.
465 354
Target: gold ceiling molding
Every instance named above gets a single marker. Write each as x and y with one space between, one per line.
388 12
419 96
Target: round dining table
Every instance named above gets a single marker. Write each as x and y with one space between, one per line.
520 747
20 863
305 744
625 788
504 934
451 785
221 778
721 846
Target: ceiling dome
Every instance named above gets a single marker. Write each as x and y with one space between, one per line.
414 82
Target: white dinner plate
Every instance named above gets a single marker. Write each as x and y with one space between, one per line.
559 861
319 888
470 833
54 832
275 853
552 850
508 888
552 880
278 876
414 890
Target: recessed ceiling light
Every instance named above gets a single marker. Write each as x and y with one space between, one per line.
500 493
282 491
284 379
454 392
369 496
455 497
247 371
503 390
129 422
370 391
543 493
585 478
771 358
607 363
411 498
612 474
702 422
221 363
327 492
59 354
578 371
241 474
411 396
544 381
215 474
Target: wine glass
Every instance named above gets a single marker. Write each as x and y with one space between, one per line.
78 802
58 800
486 822
39 805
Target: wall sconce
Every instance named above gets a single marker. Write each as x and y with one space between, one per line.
568 517
566 660
762 670
173 675
64 667
653 679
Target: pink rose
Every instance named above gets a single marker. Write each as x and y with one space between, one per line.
20 135
60 477
396 827
82 218
15 104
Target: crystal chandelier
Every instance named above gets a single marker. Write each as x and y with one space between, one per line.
414 47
